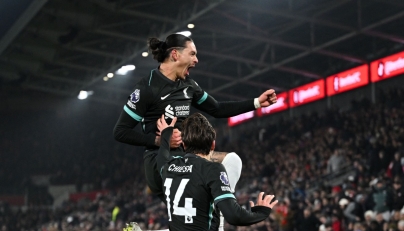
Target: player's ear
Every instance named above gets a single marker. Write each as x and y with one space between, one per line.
213 146
174 55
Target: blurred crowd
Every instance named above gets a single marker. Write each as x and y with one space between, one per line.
337 171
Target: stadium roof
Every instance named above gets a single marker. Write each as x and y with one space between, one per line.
244 47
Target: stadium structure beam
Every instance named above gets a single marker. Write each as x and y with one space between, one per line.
322 22
393 38
63 92
328 7
72 47
306 53
294 16
78 82
119 35
284 44
94 52
230 96
19 25
134 13
228 78
77 66
178 26
391 2
260 64
240 21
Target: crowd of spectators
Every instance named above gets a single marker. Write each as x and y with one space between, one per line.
292 160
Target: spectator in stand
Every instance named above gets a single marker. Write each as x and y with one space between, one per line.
369 217
382 199
308 221
398 194
336 162
396 168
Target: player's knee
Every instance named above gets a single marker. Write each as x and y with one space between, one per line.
233 159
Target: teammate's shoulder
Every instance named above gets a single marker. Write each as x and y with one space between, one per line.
191 81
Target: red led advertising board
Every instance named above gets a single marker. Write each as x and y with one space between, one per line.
307 93
238 119
387 67
347 80
280 105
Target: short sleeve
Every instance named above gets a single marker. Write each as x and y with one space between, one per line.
199 95
218 183
137 103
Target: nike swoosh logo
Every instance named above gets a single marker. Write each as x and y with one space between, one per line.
164 97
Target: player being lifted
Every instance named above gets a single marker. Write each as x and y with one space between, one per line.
193 184
170 91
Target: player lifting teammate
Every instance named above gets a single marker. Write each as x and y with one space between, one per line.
193 184
170 91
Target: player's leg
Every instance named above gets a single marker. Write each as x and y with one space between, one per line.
233 164
153 177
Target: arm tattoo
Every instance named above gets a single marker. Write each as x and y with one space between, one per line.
218 156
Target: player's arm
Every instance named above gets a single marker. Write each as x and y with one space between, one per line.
166 131
225 201
208 104
131 115
123 132
236 215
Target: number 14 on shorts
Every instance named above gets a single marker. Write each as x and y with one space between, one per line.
188 211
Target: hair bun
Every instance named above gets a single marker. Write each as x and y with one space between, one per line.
155 43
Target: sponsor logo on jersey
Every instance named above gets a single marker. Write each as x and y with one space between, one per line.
182 110
226 188
224 178
174 168
169 112
164 97
177 111
135 96
131 105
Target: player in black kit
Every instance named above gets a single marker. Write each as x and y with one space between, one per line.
193 184
170 91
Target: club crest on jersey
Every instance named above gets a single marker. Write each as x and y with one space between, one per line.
224 178
135 96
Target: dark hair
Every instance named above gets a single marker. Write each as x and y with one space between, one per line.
197 134
161 49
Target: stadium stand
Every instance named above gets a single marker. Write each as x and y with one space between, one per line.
341 170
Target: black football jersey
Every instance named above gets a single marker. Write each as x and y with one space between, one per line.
156 95
192 186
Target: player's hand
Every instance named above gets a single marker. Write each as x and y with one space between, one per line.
267 98
176 139
264 202
162 123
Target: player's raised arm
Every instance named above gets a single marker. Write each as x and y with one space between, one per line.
204 102
166 131
236 215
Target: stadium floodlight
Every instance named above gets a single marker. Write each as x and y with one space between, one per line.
110 75
191 26
125 69
145 54
84 94
185 33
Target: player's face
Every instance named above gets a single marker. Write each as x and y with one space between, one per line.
186 60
